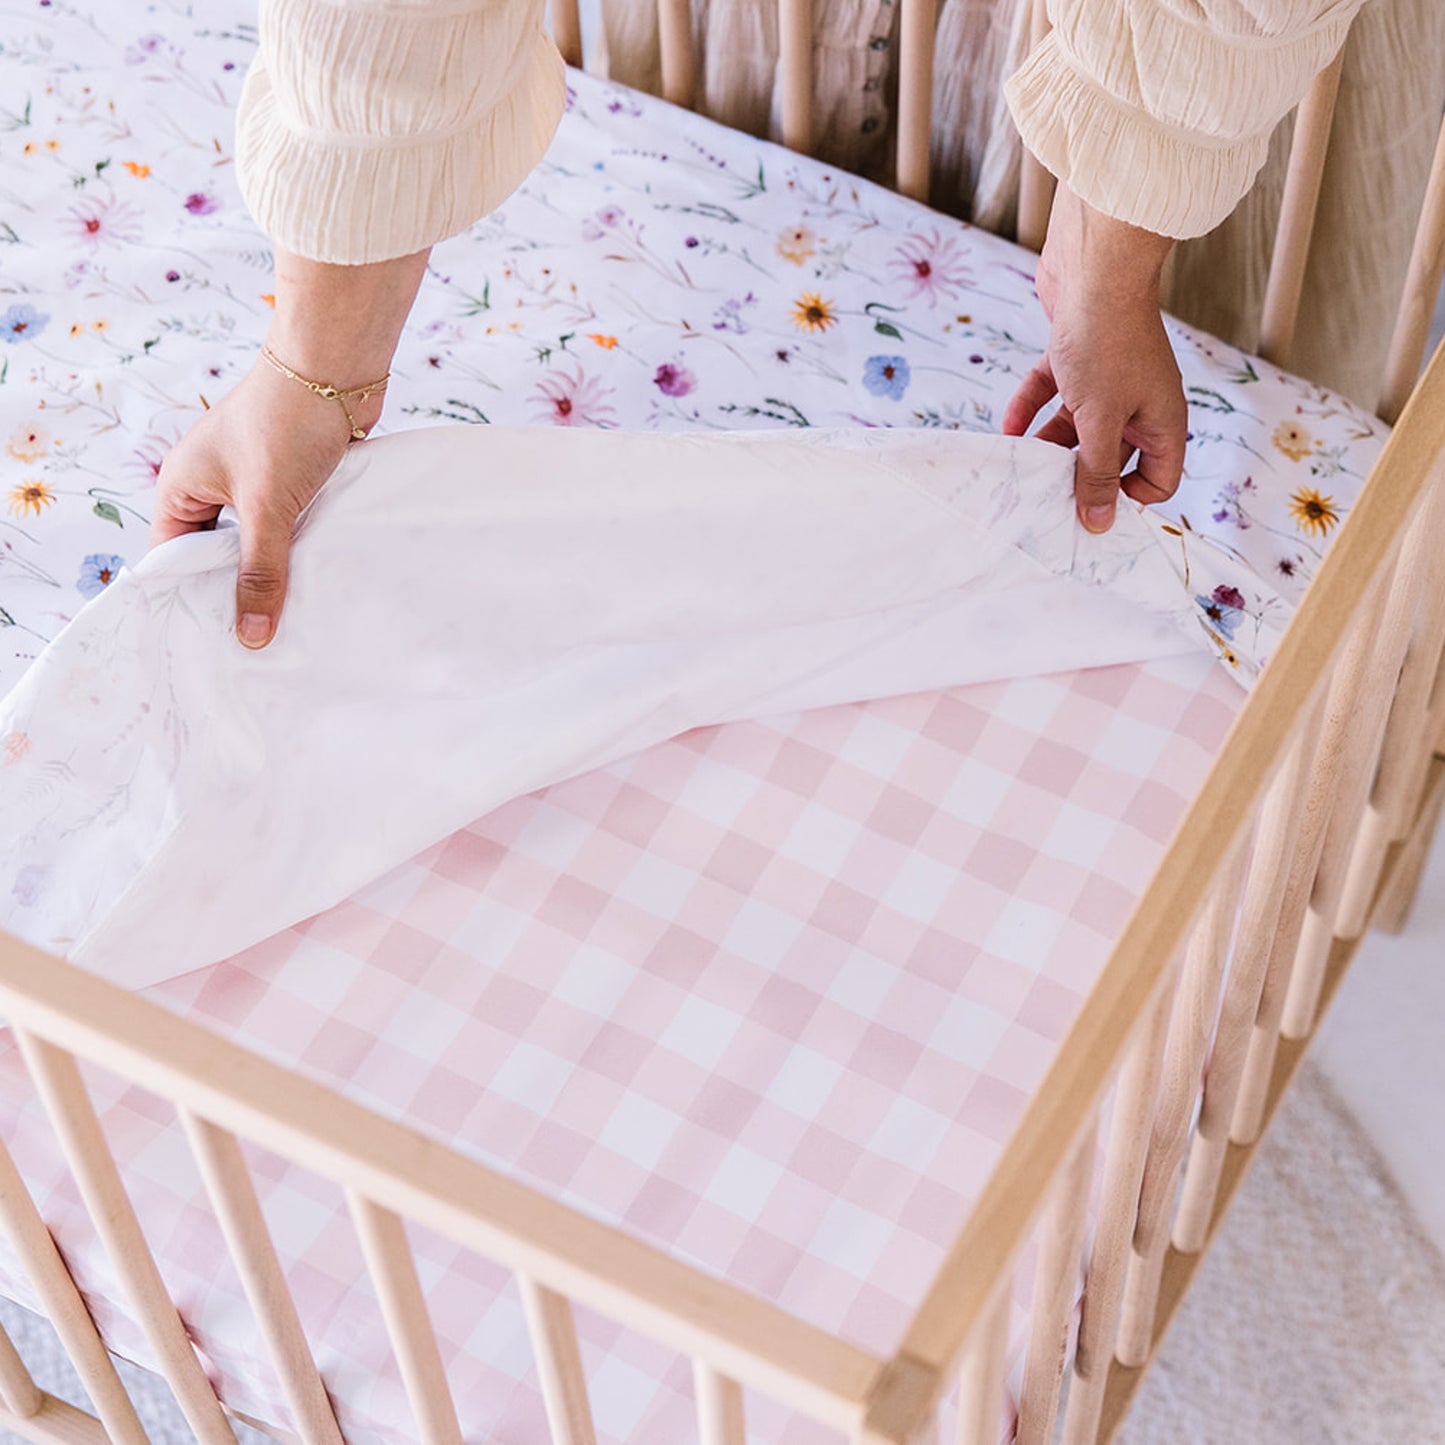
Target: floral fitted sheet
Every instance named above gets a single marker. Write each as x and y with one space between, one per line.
770 995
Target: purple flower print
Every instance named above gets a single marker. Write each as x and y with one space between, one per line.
674 380
729 316
29 884
200 203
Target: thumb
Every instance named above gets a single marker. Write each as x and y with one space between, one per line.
1096 473
261 584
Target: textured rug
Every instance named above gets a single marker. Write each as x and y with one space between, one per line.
1318 1316
1317 1319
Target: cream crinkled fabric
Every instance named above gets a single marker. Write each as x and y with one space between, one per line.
477 612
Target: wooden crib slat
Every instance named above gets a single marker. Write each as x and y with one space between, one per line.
1359 760
981 1375
1331 762
679 68
1396 898
1056 1283
567 30
32 1244
719 1406
559 1363
233 1197
1422 288
1277 848
1190 1030
21 1395
915 96
1135 1094
77 1126
403 1306
1036 185
1410 729
795 70
1286 281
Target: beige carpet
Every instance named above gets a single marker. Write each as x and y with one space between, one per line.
1317 1319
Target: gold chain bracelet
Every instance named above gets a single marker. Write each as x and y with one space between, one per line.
332 393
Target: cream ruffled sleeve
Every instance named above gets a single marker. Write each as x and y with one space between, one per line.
373 128
1159 112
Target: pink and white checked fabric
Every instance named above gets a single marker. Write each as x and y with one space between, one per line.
770 995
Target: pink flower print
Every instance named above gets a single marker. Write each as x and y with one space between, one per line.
200 203
571 398
597 225
13 747
674 379
932 266
100 223
145 460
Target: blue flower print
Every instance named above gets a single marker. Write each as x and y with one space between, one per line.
1223 609
97 572
22 322
886 376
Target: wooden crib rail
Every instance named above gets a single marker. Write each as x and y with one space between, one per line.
393 1174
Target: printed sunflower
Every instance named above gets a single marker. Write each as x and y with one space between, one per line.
30 498
812 313
1312 512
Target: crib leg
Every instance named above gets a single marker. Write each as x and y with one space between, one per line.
1402 881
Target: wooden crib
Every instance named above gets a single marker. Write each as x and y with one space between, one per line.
1313 824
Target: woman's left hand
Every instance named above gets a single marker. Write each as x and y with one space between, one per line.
1109 362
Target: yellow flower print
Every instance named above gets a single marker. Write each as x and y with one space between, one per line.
13 747
29 148
1293 440
29 442
52 145
812 313
137 168
101 325
796 244
77 328
30 496
1312 512
607 343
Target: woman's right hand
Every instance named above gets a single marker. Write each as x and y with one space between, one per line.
265 449
268 446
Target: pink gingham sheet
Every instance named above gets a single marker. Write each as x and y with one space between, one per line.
770 995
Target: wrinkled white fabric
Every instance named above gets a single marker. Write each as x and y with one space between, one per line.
477 612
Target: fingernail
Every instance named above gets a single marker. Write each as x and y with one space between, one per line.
254 629
1099 518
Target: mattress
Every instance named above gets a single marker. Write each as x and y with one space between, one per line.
770 995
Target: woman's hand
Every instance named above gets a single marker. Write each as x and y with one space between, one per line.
268 446
1109 361
264 449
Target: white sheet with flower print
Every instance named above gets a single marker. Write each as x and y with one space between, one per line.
770 994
